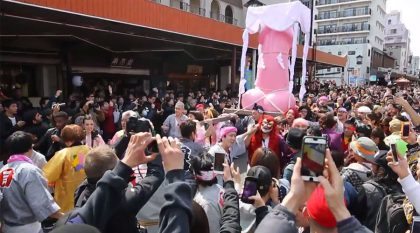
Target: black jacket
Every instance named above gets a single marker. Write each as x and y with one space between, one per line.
112 207
176 213
36 129
230 217
46 146
280 219
6 129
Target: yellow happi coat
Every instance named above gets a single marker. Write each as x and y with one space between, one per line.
66 172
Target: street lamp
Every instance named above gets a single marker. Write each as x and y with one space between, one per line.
350 69
388 77
359 59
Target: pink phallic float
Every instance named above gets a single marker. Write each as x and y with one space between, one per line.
278 27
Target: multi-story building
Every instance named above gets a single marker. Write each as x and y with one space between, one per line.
229 11
415 66
350 28
178 44
310 4
397 41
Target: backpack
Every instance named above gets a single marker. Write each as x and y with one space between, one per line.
391 217
352 176
369 200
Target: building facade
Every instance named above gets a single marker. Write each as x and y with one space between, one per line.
397 41
350 28
184 45
415 66
228 11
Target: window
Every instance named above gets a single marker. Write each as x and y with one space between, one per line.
339 52
393 31
347 41
328 70
369 53
368 69
351 52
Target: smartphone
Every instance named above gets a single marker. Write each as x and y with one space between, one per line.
153 147
313 157
250 189
394 152
405 129
219 159
416 224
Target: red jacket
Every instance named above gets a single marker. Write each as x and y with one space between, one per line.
108 124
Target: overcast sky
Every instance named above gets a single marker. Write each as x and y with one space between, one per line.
410 15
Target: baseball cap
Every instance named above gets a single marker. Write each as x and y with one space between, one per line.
263 176
365 148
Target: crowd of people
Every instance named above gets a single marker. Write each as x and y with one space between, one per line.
106 160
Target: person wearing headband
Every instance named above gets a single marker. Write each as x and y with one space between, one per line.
227 139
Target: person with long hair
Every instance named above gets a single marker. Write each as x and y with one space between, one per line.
65 170
267 158
305 112
266 136
93 138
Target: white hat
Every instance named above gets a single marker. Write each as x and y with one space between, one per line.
364 109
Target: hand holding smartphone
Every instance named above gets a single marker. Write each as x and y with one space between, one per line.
394 152
405 129
313 157
250 189
153 147
219 159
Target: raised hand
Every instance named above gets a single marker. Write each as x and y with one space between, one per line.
258 201
236 174
170 150
401 167
135 153
227 173
299 190
334 189
55 138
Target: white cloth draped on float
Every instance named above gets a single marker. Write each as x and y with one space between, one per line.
279 17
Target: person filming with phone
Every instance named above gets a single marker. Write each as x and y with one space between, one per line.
325 206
